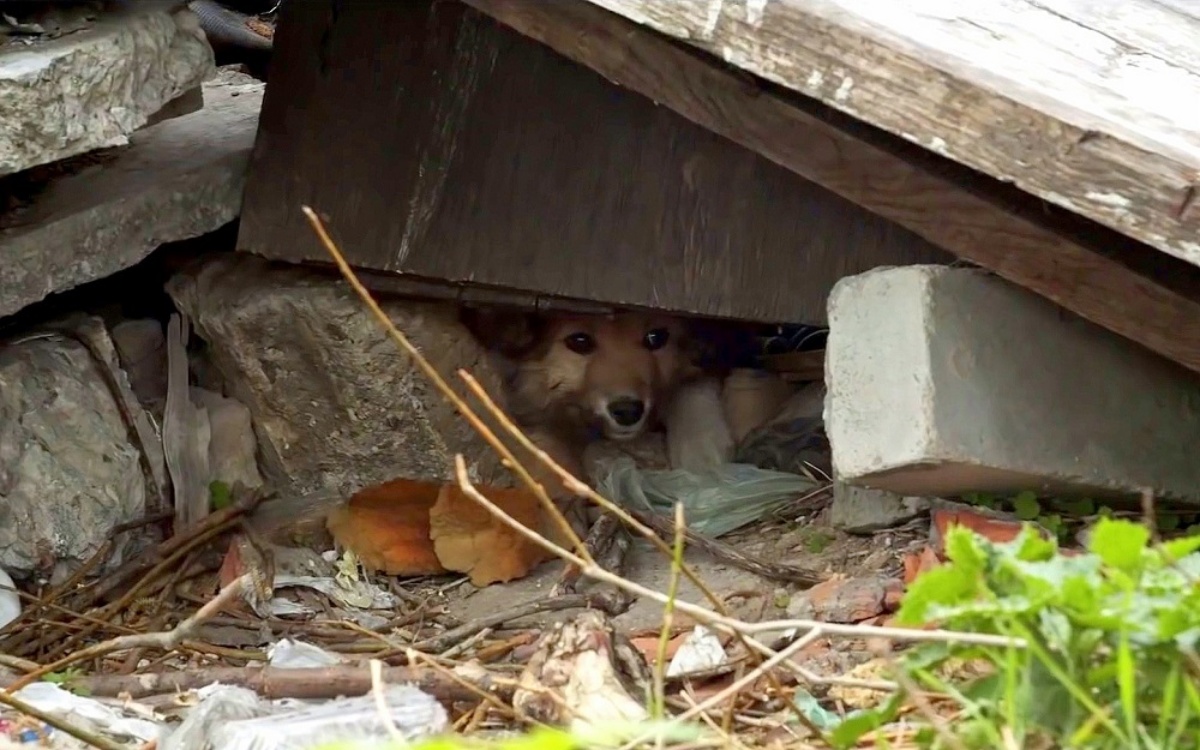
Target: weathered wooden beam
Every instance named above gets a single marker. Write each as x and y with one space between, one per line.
459 150
1018 247
1040 93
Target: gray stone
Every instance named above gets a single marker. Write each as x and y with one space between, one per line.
945 380
861 510
178 179
92 88
68 470
336 404
141 345
231 444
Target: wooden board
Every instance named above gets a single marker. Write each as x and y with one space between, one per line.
1091 105
1100 275
442 145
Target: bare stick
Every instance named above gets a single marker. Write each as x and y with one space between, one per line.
164 640
723 622
537 606
306 683
447 392
664 632
570 482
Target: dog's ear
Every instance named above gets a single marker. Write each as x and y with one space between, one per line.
512 333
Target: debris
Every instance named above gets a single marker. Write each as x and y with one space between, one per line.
397 712
291 654
715 502
10 600
352 594
231 442
185 433
916 563
298 683
860 510
407 527
701 651
469 539
847 600
388 527
573 679
993 525
87 713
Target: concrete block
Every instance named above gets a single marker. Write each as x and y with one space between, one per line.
178 179
943 381
90 89
336 404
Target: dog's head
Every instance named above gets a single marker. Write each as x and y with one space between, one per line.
609 372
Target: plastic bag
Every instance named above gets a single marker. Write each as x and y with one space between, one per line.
714 503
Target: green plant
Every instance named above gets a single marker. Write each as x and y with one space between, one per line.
220 495
1110 639
66 679
816 541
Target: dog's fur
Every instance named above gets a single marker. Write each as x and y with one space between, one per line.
569 375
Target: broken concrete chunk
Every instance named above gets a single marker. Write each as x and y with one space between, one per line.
141 345
179 179
944 381
336 404
231 444
69 473
861 510
91 89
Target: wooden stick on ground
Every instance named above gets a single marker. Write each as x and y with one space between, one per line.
306 683
165 640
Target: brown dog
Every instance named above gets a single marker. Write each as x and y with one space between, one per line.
574 378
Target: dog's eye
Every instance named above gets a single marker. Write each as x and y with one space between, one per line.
580 343
656 339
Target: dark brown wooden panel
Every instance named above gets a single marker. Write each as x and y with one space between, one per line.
440 143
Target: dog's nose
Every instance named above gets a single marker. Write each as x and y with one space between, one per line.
627 411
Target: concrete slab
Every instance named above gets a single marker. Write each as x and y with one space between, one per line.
178 179
92 88
943 381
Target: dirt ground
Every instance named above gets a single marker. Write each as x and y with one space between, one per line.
813 545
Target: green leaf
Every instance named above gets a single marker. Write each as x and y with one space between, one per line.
848 733
219 495
982 499
1168 522
1026 505
1083 506
1119 543
1180 547
821 717
947 584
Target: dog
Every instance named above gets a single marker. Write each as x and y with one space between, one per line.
571 379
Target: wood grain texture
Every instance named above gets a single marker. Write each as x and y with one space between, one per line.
459 150
1088 105
1095 279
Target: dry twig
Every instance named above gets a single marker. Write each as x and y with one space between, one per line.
307 683
164 640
